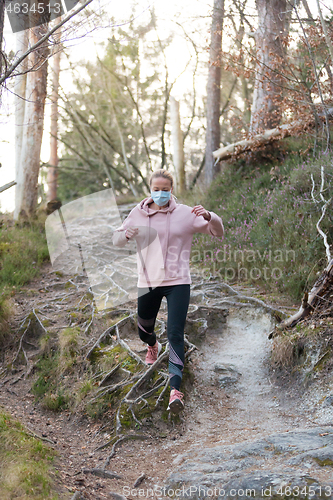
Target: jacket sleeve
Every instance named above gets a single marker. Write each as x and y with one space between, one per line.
119 239
213 227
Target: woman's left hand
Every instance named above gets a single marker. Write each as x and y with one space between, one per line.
200 210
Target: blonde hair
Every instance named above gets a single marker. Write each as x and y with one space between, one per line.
161 172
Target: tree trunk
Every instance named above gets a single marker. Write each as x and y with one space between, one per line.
178 145
33 124
2 21
267 95
52 173
22 41
214 91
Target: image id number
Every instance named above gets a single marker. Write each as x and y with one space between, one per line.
304 491
41 8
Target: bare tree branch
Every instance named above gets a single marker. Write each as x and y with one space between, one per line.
47 35
328 133
7 186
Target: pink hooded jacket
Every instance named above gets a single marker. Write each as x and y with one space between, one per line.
164 240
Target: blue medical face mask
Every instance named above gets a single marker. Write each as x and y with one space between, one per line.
161 197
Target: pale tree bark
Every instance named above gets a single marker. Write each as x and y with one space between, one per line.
2 21
52 172
33 125
22 41
214 91
30 89
239 35
267 95
178 145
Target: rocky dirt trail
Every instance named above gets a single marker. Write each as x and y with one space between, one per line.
244 431
269 443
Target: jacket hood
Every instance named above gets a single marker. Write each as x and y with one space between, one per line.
143 206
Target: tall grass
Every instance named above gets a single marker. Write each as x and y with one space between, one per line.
23 249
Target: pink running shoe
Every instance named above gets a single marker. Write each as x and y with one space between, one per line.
176 401
152 353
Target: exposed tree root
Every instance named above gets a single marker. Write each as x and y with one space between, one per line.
126 346
30 365
91 319
33 434
237 299
107 333
132 395
277 313
109 390
39 321
102 473
107 376
120 440
20 348
312 302
191 347
141 388
139 480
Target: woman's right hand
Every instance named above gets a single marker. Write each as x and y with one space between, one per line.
131 232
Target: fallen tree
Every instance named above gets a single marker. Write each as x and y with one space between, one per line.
275 134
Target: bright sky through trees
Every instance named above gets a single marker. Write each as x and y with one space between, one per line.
191 17
191 14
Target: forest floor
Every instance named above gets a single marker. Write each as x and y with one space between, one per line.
234 397
211 412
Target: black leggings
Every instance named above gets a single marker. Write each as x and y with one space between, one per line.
149 301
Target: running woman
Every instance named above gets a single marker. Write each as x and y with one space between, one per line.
166 272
